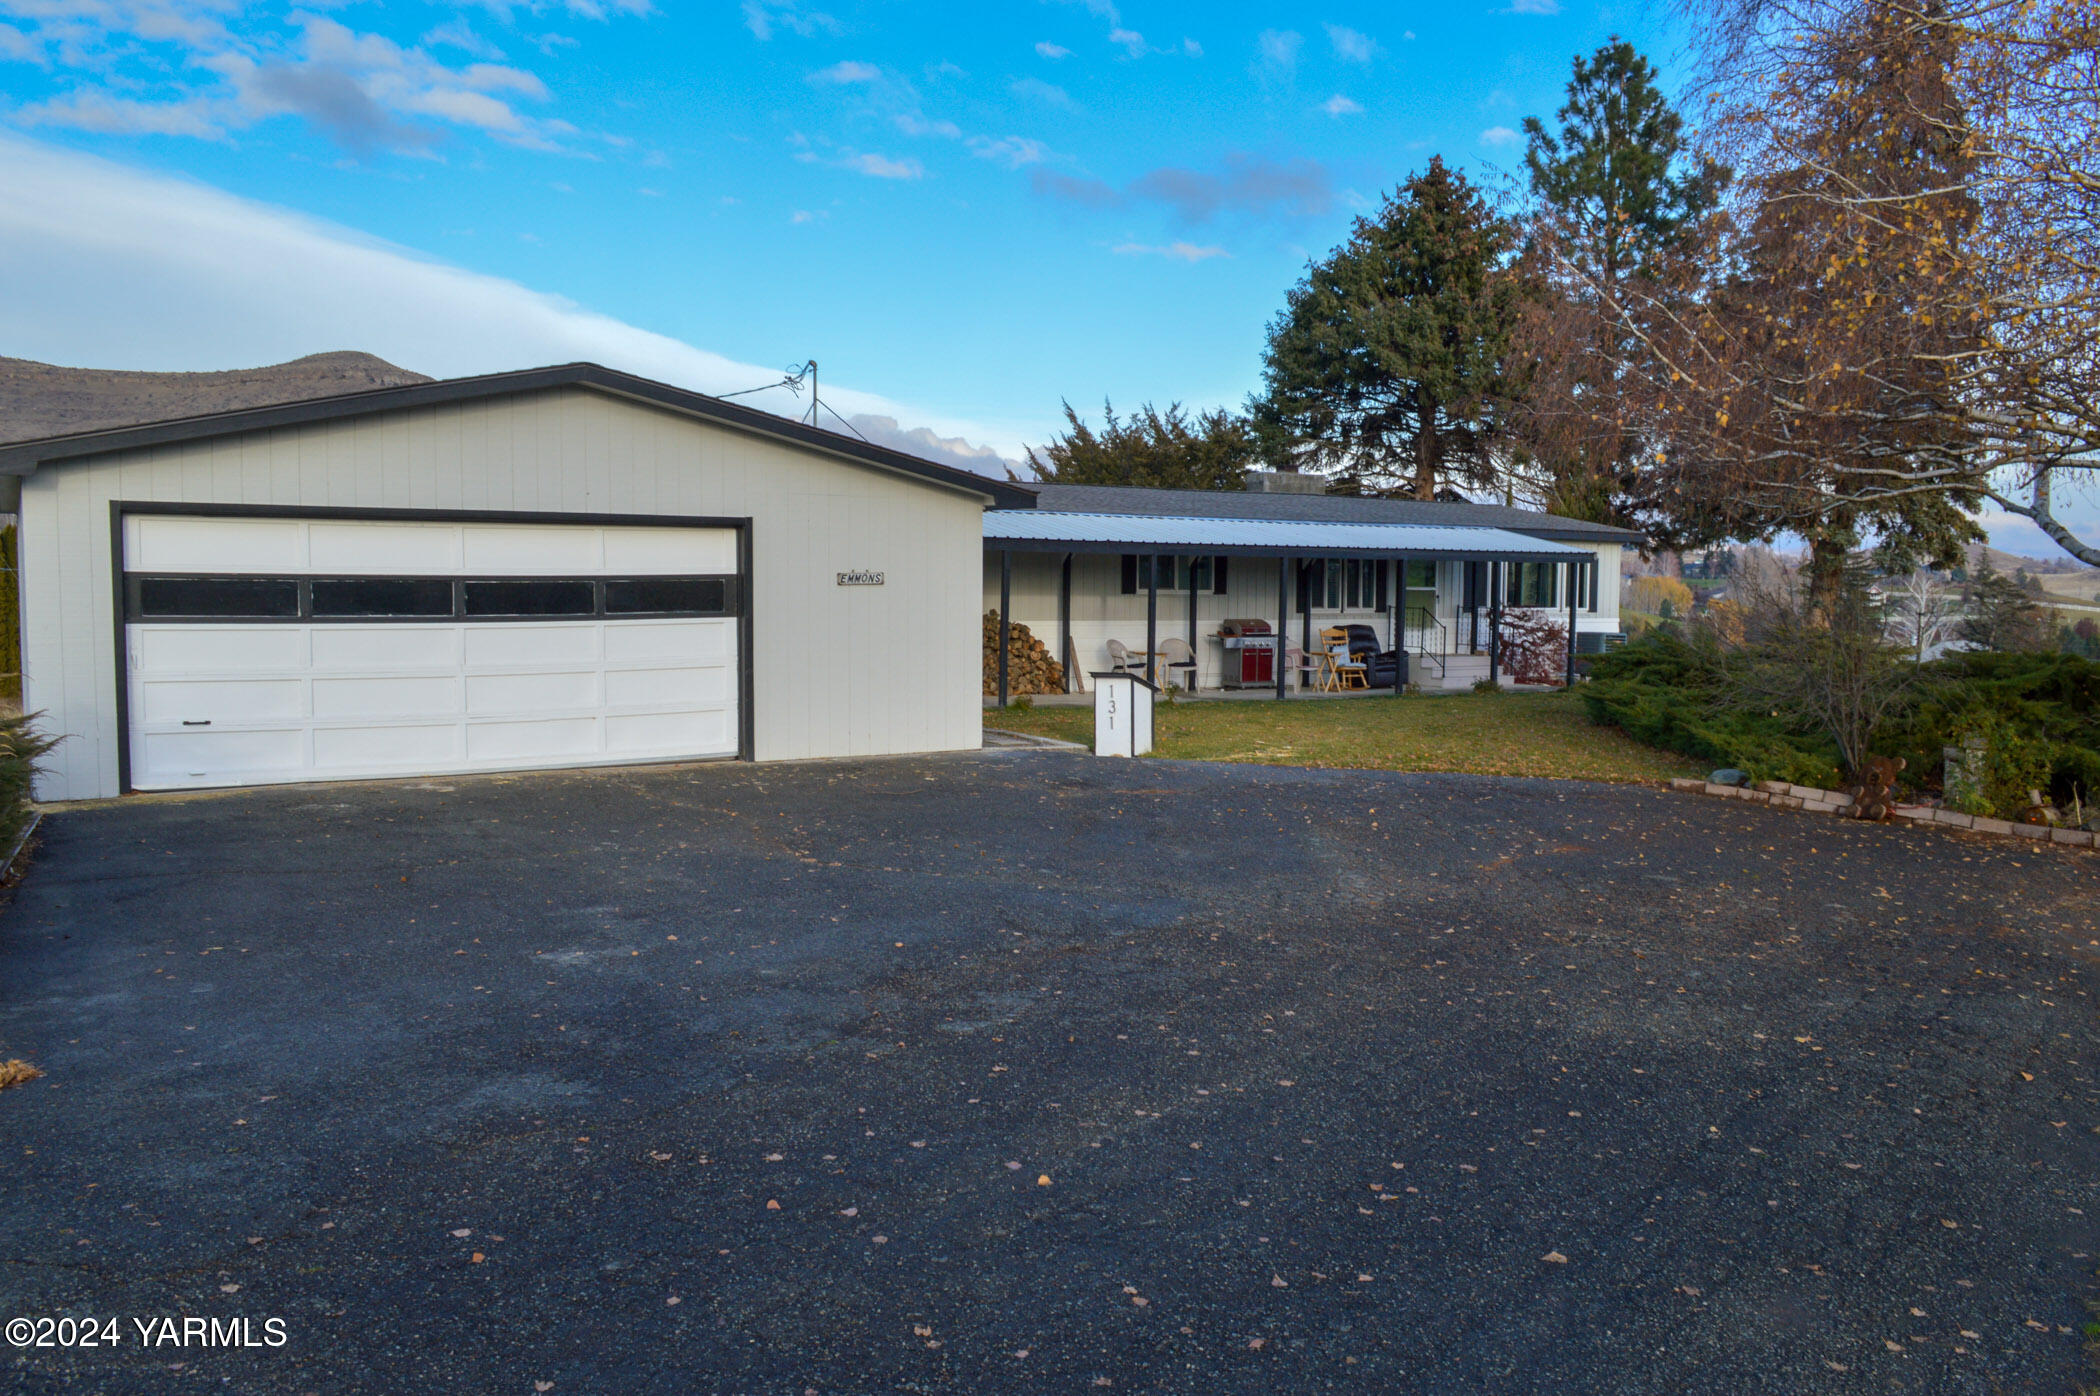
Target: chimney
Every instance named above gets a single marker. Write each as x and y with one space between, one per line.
1285 482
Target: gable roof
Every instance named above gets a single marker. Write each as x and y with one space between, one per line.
1322 508
26 457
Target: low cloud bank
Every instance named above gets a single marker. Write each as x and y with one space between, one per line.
114 267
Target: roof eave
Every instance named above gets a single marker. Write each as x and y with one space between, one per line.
24 458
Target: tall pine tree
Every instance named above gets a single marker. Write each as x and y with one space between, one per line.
1390 360
1616 189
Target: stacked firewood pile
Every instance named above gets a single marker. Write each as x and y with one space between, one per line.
1029 667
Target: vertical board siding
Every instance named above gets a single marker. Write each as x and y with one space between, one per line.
836 670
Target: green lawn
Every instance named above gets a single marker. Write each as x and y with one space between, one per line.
1507 734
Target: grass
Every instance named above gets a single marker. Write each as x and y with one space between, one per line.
1493 734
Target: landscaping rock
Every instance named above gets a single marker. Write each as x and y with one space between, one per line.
1728 775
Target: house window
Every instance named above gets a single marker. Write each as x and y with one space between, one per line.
1345 584
1534 584
1175 573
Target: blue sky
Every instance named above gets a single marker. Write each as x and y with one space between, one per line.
979 209
965 214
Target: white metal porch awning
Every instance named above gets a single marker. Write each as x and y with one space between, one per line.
1046 530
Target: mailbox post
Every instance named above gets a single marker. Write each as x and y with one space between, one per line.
1122 714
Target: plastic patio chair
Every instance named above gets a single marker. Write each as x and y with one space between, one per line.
1174 653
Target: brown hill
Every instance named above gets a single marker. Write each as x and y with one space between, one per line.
39 400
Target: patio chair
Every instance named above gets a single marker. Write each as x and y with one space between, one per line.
1380 666
1174 653
1344 669
1122 660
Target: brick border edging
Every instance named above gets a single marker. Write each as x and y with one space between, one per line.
1780 794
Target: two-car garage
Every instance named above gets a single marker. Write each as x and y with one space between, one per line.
559 567
262 649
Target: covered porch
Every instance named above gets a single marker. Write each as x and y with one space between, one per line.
1088 585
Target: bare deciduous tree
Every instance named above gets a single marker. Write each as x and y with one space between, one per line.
1942 345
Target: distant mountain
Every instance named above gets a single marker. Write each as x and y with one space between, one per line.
39 400
2008 563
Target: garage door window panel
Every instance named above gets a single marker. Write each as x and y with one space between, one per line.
382 596
530 598
662 596
215 598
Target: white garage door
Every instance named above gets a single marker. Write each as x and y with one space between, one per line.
262 649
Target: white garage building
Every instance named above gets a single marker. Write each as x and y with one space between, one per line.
560 567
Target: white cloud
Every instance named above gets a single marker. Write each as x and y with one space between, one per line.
764 18
120 268
882 166
361 89
1277 54
1535 7
1351 46
584 9
913 123
1499 135
846 71
459 34
1048 93
1010 151
1338 105
20 48
1051 51
1192 48
1129 40
103 114
1180 251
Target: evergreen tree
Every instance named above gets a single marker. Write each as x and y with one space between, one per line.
1165 450
1616 189
1998 614
1390 360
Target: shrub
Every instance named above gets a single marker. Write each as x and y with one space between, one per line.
2049 700
22 746
2039 715
1675 693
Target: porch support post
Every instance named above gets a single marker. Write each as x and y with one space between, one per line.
1064 621
1194 653
1495 621
1006 615
1305 597
1574 572
1283 621
1396 621
1152 621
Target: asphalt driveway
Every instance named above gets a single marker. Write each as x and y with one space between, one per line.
1031 1072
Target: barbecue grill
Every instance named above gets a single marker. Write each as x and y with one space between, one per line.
1250 652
